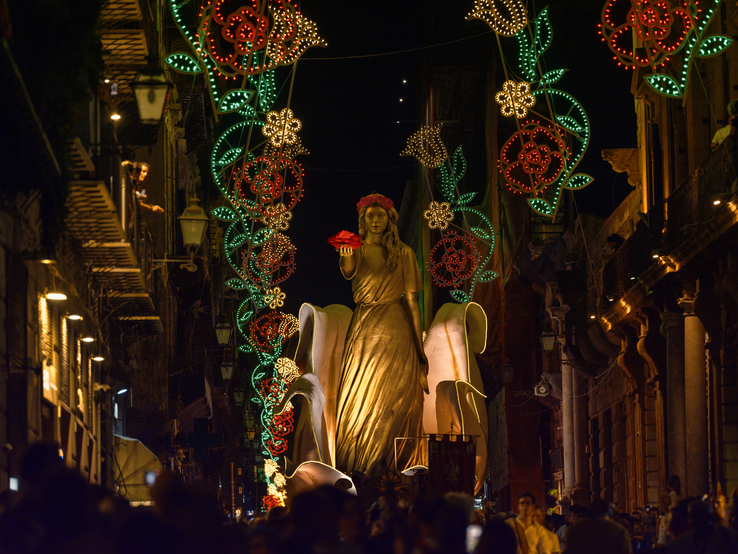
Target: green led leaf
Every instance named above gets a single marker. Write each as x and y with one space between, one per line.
235 284
259 375
464 199
540 206
481 233
714 45
663 84
244 317
488 276
234 100
256 400
249 111
236 242
459 296
230 156
551 77
184 63
578 181
569 123
459 164
224 214
544 33
262 235
246 348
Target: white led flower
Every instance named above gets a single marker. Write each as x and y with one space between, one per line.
272 490
515 99
280 481
439 215
270 467
277 217
274 297
289 326
281 127
287 369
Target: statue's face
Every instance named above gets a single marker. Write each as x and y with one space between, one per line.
376 220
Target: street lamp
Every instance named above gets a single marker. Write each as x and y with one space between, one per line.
250 422
238 396
223 331
194 222
548 341
226 372
151 88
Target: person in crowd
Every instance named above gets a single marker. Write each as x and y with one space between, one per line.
671 499
637 539
701 532
549 537
531 536
597 534
497 538
729 128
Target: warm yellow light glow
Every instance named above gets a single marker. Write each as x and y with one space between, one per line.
274 297
75 317
287 369
515 99
98 359
426 146
439 215
88 339
506 17
281 127
115 116
56 296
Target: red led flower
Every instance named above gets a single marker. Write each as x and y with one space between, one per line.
265 334
453 259
532 158
269 36
269 178
660 26
345 238
272 262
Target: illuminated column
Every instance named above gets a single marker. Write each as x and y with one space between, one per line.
567 405
695 402
581 493
673 326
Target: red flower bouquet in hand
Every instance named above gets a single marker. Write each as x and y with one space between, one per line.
345 238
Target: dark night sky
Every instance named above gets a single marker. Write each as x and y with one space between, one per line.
350 108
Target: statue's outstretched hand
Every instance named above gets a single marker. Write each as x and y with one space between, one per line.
345 250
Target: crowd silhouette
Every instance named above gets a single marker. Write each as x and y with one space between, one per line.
57 511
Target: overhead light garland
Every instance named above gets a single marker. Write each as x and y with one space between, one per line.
236 46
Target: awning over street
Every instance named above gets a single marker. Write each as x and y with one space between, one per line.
132 462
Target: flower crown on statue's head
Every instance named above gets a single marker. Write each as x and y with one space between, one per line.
383 201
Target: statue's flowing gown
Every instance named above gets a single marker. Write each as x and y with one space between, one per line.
380 396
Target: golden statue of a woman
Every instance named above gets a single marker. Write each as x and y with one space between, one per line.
383 376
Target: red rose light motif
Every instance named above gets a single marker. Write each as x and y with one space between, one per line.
661 27
345 238
453 259
532 158
270 36
269 178
272 262
265 334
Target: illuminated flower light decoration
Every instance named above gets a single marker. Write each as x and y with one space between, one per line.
438 215
274 298
236 47
664 28
459 259
532 158
515 99
453 260
281 127
426 146
277 217
660 27
506 17
287 369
